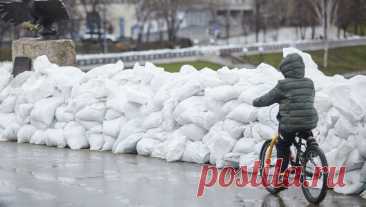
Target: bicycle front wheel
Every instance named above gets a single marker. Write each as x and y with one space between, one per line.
273 158
314 175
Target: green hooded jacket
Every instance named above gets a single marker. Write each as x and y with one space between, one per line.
295 95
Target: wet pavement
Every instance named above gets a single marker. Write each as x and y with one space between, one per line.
40 176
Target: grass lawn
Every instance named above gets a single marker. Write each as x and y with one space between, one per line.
341 60
174 67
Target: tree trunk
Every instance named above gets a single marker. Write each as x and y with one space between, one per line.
227 24
313 30
257 21
325 27
148 33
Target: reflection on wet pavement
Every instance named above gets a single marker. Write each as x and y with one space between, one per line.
40 176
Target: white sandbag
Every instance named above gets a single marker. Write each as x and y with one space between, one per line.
105 71
361 143
96 130
127 145
244 146
63 115
138 95
265 132
55 138
145 146
331 142
254 92
5 78
204 119
75 136
95 88
228 76
154 120
219 143
222 93
332 117
43 112
96 141
88 125
9 126
112 127
187 69
10 132
342 153
25 133
108 143
23 112
190 88
130 128
38 87
229 106
7 106
117 102
42 65
353 184
132 110
192 132
157 134
243 113
194 102
81 101
160 150
112 114
60 125
169 123
356 83
161 96
363 173
209 78
93 112
175 147
354 157
248 160
268 115
196 152
194 111
322 102
234 128
343 128
342 100
39 138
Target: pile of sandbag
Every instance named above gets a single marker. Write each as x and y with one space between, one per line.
195 116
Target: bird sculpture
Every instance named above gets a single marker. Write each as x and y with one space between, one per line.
37 15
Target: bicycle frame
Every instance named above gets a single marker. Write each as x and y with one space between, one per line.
270 149
297 144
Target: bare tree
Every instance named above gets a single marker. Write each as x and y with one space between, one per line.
345 15
170 11
302 15
144 12
326 13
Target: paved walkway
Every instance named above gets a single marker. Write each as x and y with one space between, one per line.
40 176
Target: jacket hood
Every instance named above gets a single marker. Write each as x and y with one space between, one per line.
293 66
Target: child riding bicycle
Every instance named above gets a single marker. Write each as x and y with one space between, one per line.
297 115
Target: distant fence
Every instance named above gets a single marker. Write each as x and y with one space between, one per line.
196 52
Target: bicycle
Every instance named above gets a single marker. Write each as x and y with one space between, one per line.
306 155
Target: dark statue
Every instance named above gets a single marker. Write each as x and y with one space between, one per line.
37 15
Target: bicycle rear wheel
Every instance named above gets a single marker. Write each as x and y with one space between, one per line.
262 158
313 174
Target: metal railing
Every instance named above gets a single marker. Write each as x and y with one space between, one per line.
166 54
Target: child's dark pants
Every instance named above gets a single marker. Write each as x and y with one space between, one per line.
284 143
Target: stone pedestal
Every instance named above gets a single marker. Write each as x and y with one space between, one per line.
60 52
